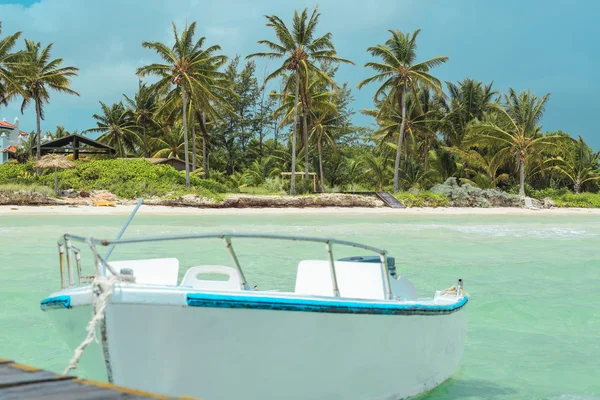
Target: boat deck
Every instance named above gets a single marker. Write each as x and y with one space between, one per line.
18 381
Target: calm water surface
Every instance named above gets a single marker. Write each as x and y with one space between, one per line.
534 281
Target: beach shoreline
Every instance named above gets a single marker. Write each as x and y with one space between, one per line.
168 210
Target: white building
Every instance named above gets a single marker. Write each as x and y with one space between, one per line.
10 138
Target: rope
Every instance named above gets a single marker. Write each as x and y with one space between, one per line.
103 289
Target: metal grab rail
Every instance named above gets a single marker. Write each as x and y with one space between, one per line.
226 237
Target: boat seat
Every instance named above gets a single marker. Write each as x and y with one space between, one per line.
233 283
155 271
355 279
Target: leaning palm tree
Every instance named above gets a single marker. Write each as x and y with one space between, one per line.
400 74
8 62
514 127
190 72
37 73
300 50
143 106
117 127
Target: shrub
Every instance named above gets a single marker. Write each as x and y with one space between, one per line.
471 196
273 185
581 200
423 199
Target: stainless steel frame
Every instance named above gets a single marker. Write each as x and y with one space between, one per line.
65 246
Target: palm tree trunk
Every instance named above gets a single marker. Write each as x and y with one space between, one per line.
185 139
305 134
193 122
321 177
426 155
204 147
522 177
38 116
145 139
577 187
400 140
293 176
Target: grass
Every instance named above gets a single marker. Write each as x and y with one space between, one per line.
19 187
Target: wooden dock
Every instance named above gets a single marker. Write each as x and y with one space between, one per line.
18 381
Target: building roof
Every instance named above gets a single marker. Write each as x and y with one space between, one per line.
6 125
11 149
65 141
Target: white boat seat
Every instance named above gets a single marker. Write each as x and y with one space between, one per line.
191 278
355 280
155 271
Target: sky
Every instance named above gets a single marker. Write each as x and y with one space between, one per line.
548 46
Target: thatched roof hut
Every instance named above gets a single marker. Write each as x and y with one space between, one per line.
54 161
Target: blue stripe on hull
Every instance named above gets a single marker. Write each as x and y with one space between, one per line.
55 302
309 305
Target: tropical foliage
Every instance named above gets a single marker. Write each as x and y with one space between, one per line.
246 127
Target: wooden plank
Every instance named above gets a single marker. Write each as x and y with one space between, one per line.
18 381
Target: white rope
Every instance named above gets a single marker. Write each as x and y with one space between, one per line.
105 286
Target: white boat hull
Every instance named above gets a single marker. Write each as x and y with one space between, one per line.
247 349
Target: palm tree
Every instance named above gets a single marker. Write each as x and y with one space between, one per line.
579 166
143 106
300 50
400 74
117 127
38 73
468 101
189 73
484 167
324 113
170 144
8 61
514 128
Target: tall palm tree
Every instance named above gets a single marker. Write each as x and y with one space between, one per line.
514 127
8 61
117 127
300 50
400 74
579 166
38 73
190 72
143 106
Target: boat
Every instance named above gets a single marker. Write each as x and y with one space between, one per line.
352 328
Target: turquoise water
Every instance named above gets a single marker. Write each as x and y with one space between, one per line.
534 281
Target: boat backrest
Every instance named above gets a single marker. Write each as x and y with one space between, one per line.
200 278
155 271
355 279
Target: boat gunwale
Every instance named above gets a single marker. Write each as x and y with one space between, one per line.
274 301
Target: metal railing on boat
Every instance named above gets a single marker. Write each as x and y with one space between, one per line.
66 248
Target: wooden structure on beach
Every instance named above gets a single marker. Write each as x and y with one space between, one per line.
75 144
18 381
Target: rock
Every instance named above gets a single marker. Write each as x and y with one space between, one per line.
548 203
84 194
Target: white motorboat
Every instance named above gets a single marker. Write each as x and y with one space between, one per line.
350 329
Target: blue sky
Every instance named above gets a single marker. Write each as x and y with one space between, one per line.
548 46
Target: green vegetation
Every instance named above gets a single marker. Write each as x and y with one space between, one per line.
27 189
435 143
423 199
125 178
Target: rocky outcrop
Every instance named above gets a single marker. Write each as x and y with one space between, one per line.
27 198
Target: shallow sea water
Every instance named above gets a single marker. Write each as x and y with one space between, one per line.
534 281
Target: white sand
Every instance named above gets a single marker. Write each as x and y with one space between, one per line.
147 209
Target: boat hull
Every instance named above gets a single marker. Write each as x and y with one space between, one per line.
223 349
